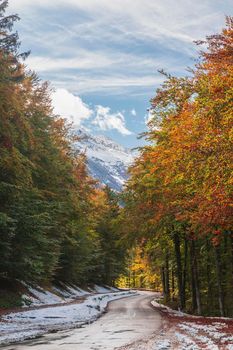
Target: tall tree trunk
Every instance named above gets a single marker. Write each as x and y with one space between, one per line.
163 281
185 270
173 284
196 277
219 280
231 242
208 278
141 282
224 273
134 279
179 270
167 277
193 282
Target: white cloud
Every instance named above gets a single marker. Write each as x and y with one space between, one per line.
106 120
95 38
75 110
107 84
133 112
183 20
82 60
71 107
88 59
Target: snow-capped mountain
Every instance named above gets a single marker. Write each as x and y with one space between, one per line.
107 161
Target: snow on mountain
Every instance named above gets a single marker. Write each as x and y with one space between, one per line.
107 161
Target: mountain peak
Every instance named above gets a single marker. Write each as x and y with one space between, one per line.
107 160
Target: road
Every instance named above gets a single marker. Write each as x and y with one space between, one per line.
126 321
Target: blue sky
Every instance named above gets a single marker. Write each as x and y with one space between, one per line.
102 56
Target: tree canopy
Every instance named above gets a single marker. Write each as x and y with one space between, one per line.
179 196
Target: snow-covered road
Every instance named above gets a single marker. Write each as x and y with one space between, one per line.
126 321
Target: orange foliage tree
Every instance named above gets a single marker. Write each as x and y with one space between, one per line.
181 184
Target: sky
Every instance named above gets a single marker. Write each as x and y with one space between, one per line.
102 56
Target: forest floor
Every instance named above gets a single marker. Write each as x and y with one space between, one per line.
181 331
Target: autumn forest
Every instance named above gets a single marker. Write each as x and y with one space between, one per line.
170 229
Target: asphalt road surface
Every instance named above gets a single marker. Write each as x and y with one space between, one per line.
127 320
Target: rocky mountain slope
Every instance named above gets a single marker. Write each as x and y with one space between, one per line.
107 161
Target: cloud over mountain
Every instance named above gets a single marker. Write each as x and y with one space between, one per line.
76 111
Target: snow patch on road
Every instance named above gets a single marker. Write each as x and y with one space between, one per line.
31 323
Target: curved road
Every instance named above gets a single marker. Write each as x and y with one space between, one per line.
127 320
